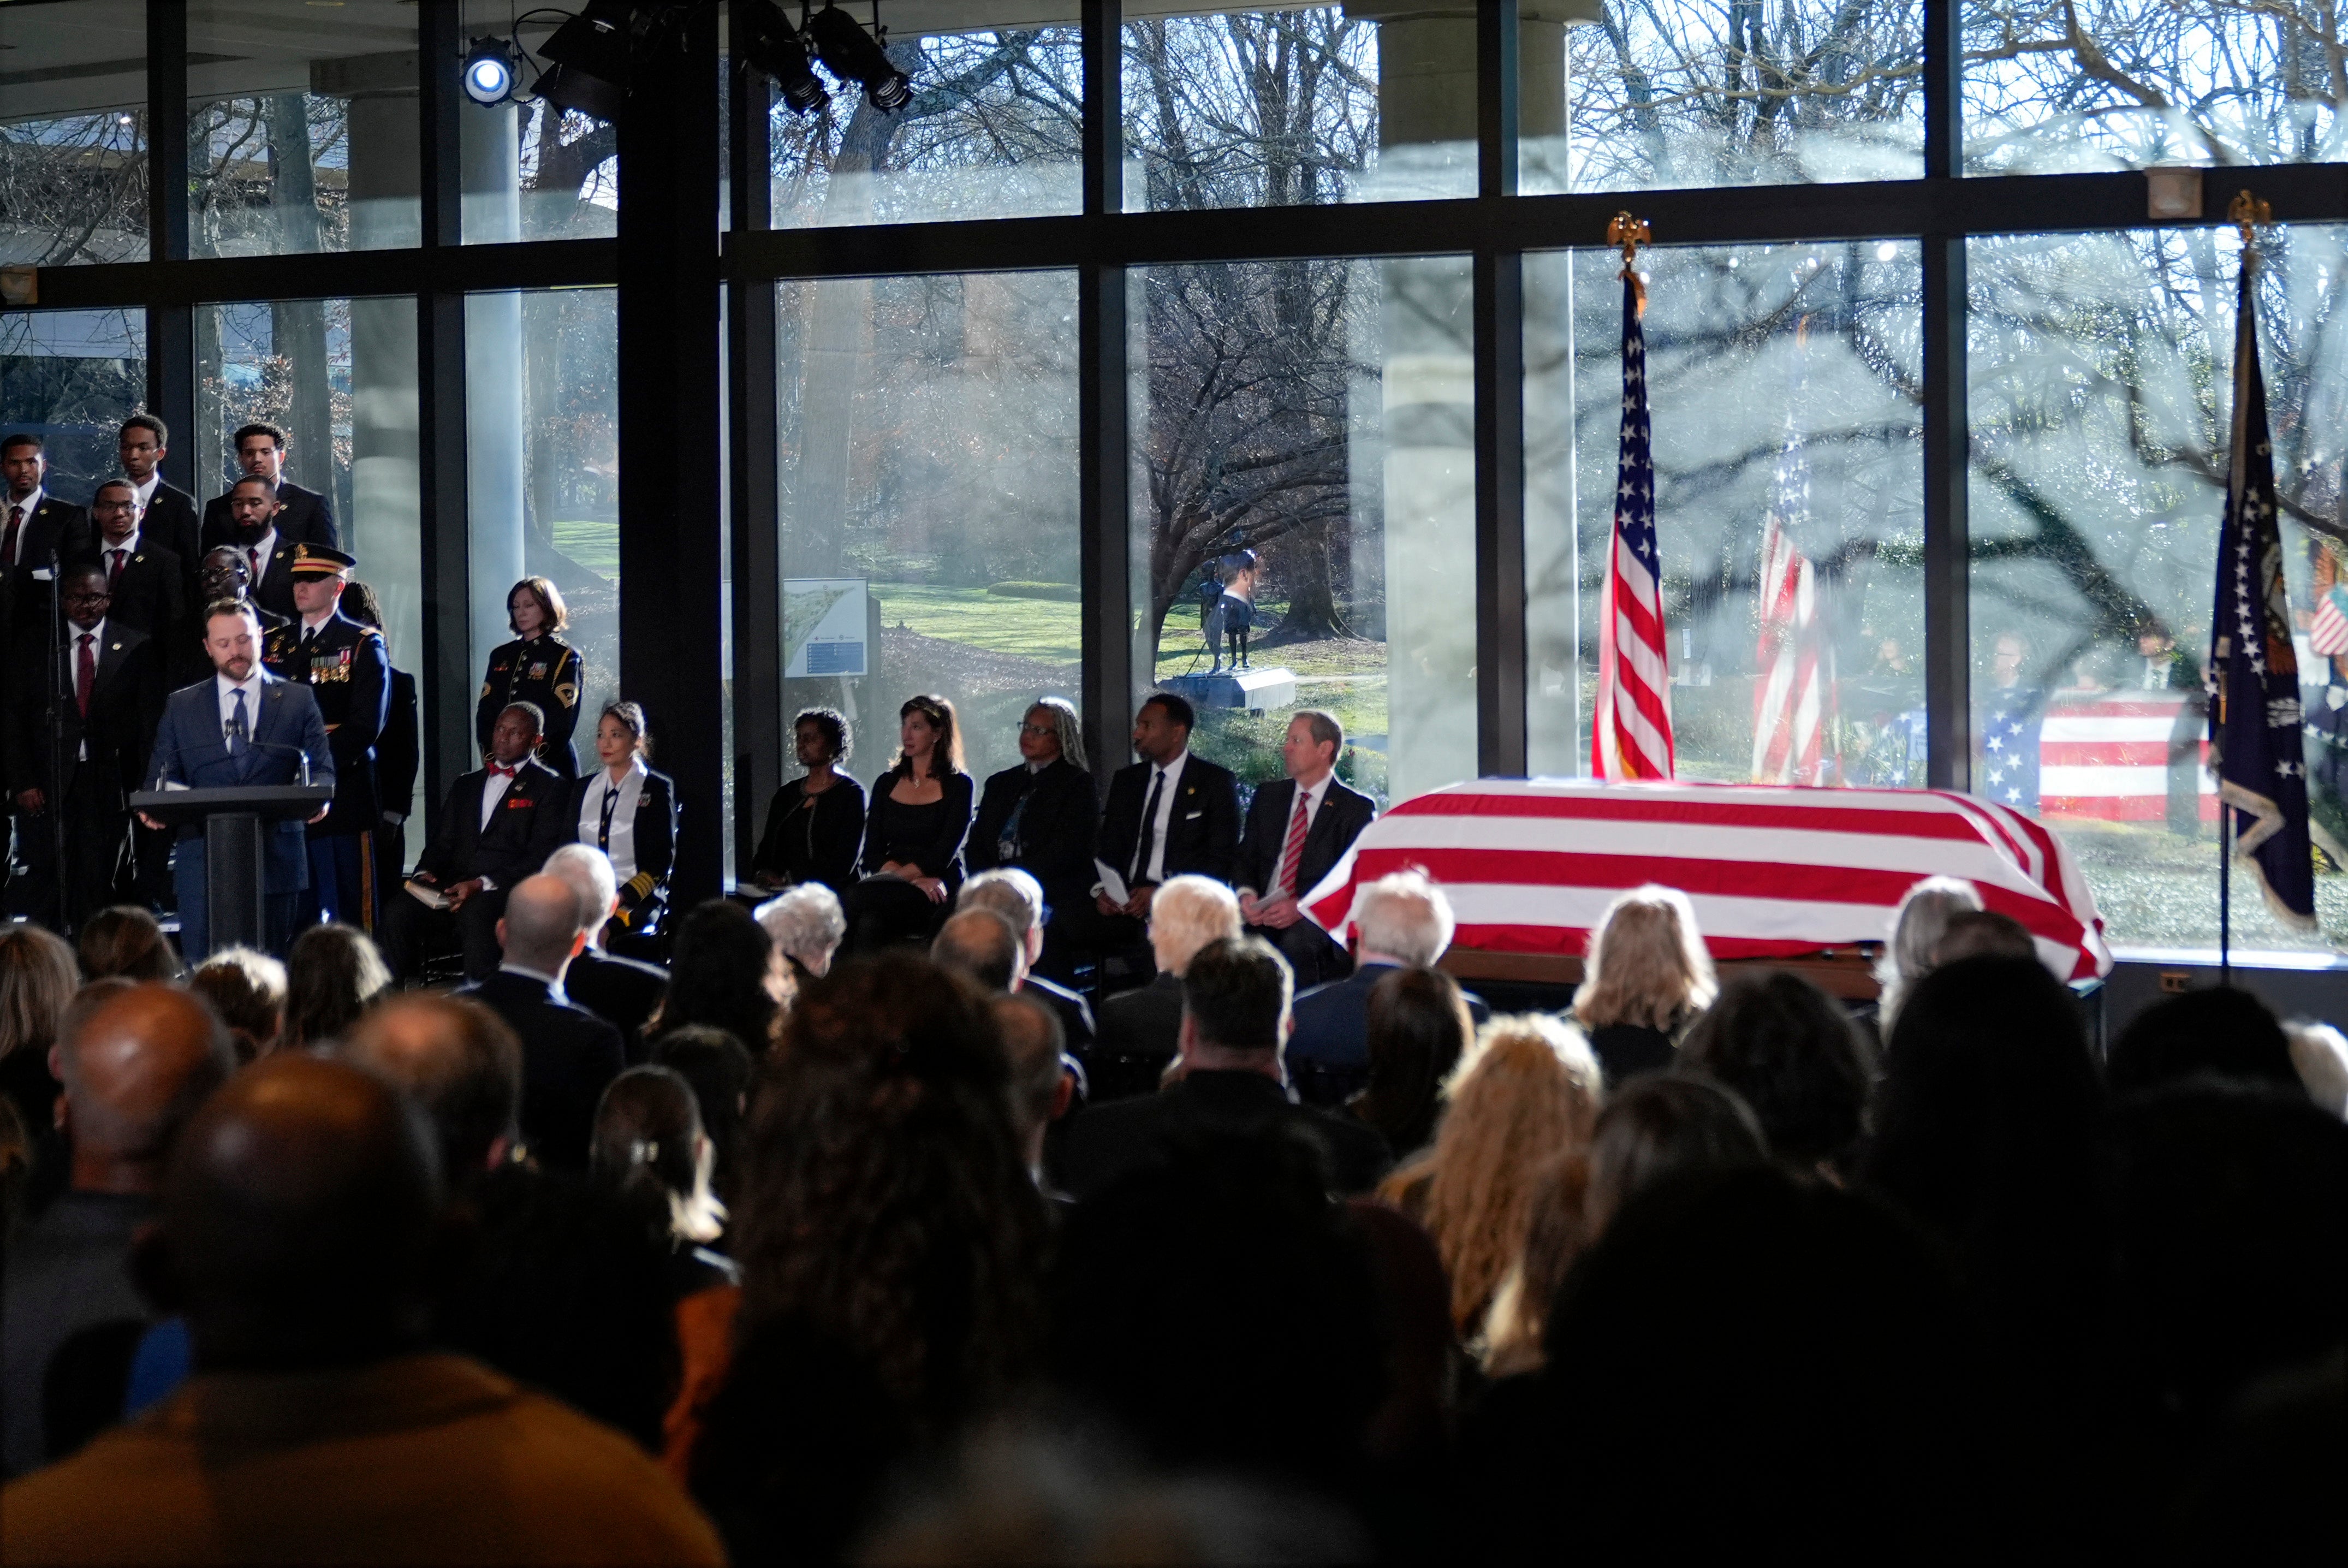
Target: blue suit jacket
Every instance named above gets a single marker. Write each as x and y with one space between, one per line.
1333 1021
189 749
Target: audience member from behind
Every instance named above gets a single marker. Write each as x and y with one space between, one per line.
719 1068
622 991
331 975
1789 1051
1402 921
127 941
1041 1086
1141 1030
1984 934
38 979
1647 975
1526 1095
649 1149
299 1219
1419 1027
2319 1052
1235 1014
135 1067
889 1236
1018 898
981 945
247 988
1917 927
724 972
461 1065
568 1054
2221 1032
807 925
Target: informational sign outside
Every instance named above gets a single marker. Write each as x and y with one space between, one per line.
824 622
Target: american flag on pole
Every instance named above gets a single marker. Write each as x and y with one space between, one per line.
1794 657
1632 735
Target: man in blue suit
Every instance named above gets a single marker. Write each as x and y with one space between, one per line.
242 726
1402 921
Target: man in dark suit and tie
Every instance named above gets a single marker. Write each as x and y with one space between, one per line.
1296 830
254 510
568 1055
343 665
497 826
77 749
221 576
242 726
37 529
1402 921
143 579
304 519
167 516
1170 813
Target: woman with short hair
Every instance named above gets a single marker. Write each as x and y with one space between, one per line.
628 809
816 822
537 667
1646 978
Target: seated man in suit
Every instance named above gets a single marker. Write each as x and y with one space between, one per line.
260 453
621 991
1041 817
1402 921
1019 898
1235 1012
568 1054
498 826
1141 1030
167 515
244 727
1168 814
143 579
1296 830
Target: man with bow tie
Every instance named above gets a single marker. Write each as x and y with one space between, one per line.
348 671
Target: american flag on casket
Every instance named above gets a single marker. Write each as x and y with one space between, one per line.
1772 872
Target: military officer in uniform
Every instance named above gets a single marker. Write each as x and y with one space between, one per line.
539 668
348 671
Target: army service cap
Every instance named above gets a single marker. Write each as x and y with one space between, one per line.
321 560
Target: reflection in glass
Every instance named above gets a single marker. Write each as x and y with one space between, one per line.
72 134
71 377
1320 414
532 171
2055 86
2102 399
1251 107
927 454
992 131
1784 393
1682 93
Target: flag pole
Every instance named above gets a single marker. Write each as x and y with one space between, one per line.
2247 211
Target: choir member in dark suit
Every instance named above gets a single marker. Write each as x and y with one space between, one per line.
254 508
1041 817
627 809
261 453
568 1054
222 577
499 825
1297 829
37 532
537 667
78 748
913 832
142 579
815 824
167 516
1172 813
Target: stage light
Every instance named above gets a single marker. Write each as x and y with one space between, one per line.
489 71
850 53
592 61
770 43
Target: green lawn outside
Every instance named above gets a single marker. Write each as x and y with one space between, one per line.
594 545
1031 628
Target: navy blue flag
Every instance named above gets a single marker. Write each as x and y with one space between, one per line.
2254 684
2009 742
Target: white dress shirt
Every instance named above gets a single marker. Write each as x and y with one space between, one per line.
143 496
106 552
493 791
1155 871
621 849
31 503
250 688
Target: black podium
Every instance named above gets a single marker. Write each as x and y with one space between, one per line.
235 846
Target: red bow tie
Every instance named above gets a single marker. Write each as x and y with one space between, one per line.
501 768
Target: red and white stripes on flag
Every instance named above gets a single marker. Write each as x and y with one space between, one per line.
1631 734
1794 662
2327 634
1772 872
2109 757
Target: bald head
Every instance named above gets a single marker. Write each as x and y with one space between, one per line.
541 927
135 1067
981 945
461 1065
297 1215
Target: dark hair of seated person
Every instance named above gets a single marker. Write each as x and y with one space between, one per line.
2223 1032
1790 1052
717 974
332 974
889 1239
129 942
1234 993
1419 1027
719 1068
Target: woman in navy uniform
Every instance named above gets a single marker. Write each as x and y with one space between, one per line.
629 811
536 667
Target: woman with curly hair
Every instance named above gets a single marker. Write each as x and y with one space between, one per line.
889 1239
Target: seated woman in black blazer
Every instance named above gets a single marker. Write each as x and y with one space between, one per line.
913 832
817 823
629 811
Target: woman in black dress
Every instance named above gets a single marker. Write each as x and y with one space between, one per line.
817 823
914 831
536 667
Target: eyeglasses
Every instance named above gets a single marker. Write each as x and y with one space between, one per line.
1039 730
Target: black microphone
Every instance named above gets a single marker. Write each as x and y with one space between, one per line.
280 745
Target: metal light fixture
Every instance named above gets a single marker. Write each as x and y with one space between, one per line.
771 44
850 53
592 60
489 71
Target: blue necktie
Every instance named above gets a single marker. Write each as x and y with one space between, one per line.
237 729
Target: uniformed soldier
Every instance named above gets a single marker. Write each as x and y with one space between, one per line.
537 668
346 667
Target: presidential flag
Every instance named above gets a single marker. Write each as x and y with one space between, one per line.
1632 735
2254 682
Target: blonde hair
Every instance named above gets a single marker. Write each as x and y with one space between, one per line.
1647 965
1526 1095
38 977
1186 913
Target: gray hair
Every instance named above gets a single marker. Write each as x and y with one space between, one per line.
1066 728
1185 915
588 871
1404 917
1917 927
807 925
1011 892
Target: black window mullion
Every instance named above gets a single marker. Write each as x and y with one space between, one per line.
756 538
1103 417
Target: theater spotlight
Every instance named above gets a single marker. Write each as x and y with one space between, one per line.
489 72
591 61
850 53
770 43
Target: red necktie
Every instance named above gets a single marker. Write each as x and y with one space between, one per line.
114 570
1293 850
8 541
85 674
254 556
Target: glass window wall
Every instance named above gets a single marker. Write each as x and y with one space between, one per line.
531 170
73 133
70 376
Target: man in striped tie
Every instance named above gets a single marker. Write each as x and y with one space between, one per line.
1297 829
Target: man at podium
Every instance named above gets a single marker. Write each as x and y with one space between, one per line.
242 728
